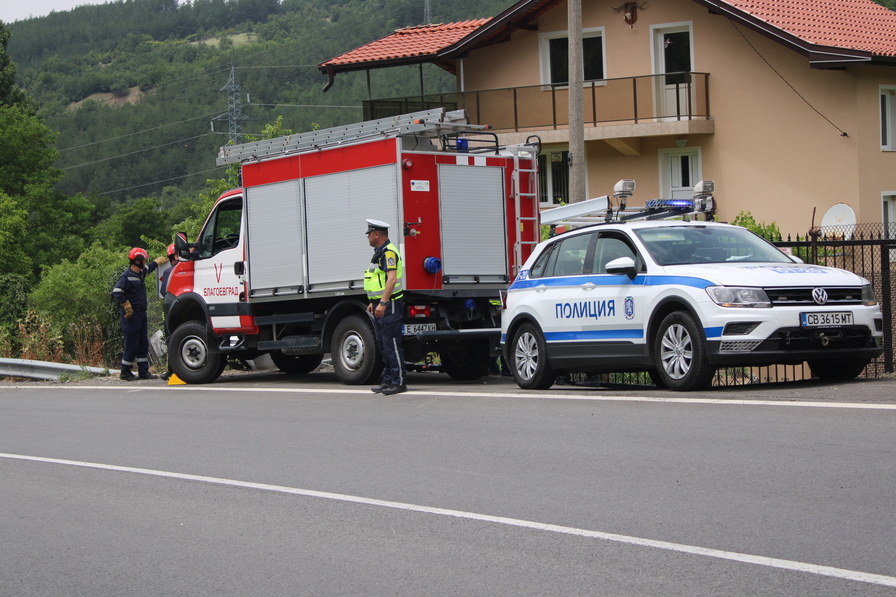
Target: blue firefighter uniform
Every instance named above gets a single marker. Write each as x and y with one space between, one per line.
131 288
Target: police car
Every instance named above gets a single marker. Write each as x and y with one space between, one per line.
680 299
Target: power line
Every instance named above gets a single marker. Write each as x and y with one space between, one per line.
799 95
146 184
135 133
138 151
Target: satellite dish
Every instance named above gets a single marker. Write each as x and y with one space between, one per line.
839 220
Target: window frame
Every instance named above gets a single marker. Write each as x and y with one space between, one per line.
887 114
544 56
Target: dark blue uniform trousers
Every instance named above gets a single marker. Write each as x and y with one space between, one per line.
389 340
136 342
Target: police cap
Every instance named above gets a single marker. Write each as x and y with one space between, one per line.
376 225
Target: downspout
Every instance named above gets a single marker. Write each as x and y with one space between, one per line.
331 73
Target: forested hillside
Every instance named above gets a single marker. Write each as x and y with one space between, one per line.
111 146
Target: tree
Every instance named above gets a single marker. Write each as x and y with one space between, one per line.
10 94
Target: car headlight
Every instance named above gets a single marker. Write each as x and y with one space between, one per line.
868 298
737 296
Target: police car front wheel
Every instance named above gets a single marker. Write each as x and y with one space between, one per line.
680 354
529 360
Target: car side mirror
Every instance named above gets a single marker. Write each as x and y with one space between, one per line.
622 266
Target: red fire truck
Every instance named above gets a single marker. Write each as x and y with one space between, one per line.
278 266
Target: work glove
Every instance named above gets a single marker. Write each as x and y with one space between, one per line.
160 261
128 309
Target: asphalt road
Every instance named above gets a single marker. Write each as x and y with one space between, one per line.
264 485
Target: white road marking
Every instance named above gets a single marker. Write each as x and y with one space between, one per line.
533 395
841 573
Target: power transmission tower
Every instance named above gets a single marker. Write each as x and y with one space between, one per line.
234 114
427 13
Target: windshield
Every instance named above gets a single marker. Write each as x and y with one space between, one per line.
675 245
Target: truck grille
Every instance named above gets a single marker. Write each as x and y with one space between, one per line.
849 295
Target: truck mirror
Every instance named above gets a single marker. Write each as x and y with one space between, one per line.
182 247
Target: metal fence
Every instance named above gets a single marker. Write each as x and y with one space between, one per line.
868 250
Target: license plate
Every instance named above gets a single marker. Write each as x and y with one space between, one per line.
825 320
412 328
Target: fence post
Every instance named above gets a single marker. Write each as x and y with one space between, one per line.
886 306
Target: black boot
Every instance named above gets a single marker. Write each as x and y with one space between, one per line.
126 375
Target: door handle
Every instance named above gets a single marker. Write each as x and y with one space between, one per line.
541 288
589 286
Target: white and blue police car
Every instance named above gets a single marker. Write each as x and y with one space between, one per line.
679 300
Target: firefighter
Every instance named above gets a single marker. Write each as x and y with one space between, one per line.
383 283
130 293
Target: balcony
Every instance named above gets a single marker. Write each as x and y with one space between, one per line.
629 107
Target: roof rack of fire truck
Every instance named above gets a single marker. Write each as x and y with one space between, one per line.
600 209
427 123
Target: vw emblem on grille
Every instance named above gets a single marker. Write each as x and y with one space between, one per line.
820 296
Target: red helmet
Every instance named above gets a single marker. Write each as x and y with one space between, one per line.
137 253
171 252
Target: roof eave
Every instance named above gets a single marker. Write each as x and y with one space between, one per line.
495 26
327 67
819 56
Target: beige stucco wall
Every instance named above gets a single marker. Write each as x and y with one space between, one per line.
771 152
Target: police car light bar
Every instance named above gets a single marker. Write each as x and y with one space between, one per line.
682 204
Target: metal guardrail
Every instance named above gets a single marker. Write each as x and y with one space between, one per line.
46 370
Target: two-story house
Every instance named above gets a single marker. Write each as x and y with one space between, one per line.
789 106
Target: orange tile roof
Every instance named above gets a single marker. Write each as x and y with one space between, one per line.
855 24
856 29
409 42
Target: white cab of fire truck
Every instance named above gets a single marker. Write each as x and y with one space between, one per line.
206 293
679 299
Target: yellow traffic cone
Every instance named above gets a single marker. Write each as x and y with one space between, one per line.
174 380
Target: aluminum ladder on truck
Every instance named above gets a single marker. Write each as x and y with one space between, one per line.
427 123
520 198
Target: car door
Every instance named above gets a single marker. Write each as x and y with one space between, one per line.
604 315
219 247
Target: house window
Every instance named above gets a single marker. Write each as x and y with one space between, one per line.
888 118
553 179
889 219
555 56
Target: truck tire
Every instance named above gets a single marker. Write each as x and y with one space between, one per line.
680 354
356 357
191 359
529 359
837 369
465 361
296 364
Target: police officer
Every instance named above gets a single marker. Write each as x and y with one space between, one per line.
130 293
383 283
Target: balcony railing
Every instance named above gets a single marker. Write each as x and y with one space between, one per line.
649 98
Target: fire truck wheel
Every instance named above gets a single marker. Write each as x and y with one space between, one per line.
192 360
296 364
529 359
837 369
680 354
465 360
356 357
